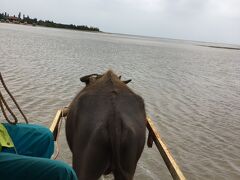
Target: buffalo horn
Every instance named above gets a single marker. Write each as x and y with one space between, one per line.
127 81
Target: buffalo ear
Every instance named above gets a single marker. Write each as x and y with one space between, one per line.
85 78
127 81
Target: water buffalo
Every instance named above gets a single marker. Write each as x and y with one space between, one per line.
105 128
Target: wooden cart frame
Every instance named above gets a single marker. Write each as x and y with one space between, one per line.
153 136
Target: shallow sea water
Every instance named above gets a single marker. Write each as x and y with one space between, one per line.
191 92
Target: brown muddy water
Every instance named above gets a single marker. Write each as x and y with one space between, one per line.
191 92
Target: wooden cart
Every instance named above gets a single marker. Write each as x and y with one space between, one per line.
153 136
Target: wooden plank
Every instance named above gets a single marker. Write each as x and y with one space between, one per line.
54 126
55 120
164 151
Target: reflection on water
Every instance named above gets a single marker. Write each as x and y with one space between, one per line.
191 92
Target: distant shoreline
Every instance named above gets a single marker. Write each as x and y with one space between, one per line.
26 20
220 47
85 28
22 24
193 42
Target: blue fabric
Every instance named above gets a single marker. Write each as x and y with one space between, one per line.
30 140
34 145
19 167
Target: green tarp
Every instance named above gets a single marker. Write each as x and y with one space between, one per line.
30 160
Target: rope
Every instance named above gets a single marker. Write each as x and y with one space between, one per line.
3 102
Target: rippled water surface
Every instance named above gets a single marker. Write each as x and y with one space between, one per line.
191 92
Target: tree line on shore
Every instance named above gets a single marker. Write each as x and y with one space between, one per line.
5 17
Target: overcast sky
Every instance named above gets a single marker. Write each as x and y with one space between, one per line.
203 20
